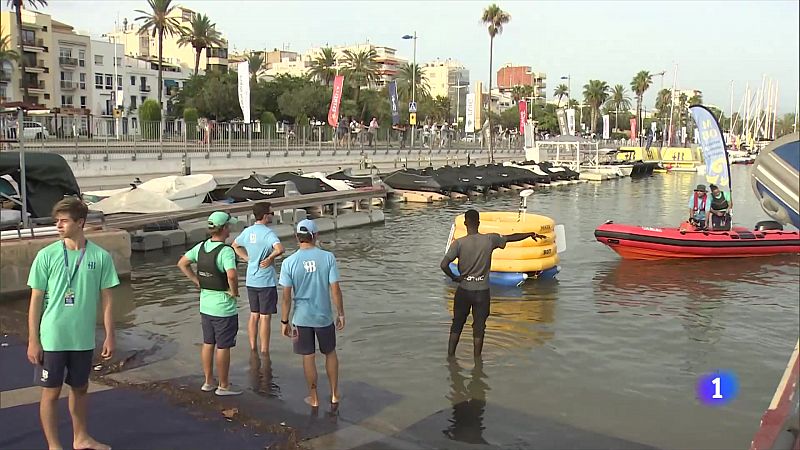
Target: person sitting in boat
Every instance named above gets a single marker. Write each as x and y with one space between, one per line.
699 206
719 214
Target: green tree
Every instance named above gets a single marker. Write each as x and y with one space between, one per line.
160 21
18 5
696 99
408 74
201 34
304 102
441 108
618 100
595 93
7 55
323 67
255 63
361 67
561 91
150 119
639 85
663 102
190 117
784 125
494 18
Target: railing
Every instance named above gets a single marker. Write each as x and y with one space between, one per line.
33 42
32 84
67 61
68 85
144 88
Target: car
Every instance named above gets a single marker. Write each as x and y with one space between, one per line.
34 130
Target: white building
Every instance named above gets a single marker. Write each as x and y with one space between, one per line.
141 83
105 65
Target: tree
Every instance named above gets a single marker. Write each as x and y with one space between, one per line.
323 67
639 85
696 99
561 91
201 35
160 21
361 67
18 5
441 109
255 63
494 18
784 125
311 100
663 102
617 101
595 93
408 74
7 55
682 107
518 92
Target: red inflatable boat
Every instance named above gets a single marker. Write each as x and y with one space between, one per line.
636 242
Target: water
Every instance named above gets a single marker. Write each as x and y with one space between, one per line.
613 347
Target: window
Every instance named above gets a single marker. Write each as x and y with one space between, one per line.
144 99
98 59
98 81
83 81
82 58
119 61
109 81
65 52
66 100
133 80
28 37
3 90
133 102
119 81
83 101
47 96
186 15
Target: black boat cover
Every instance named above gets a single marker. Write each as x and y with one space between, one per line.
49 179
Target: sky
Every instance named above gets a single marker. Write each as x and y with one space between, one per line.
711 42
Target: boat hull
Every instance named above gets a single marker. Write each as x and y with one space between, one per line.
649 243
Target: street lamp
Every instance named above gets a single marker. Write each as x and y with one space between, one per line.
569 88
413 82
661 74
116 86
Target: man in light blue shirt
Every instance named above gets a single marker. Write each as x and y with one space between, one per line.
699 206
310 280
259 246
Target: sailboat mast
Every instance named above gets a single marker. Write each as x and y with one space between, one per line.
672 105
796 110
775 111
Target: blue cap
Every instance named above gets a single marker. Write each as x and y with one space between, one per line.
307 226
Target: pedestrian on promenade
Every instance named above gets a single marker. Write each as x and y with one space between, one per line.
373 132
310 280
474 253
258 246
219 288
68 279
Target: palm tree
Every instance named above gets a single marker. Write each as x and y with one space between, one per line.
323 67
18 5
494 18
6 53
561 91
618 100
255 62
696 99
202 34
663 102
408 74
682 99
441 108
160 21
595 93
361 67
640 83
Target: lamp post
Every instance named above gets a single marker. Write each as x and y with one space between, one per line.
115 85
569 88
661 74
413 82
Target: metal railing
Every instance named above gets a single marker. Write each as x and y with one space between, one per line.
68 85
67 61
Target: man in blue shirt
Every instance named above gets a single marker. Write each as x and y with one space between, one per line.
699 205
259 246
310 280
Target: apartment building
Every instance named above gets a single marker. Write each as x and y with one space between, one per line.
510 76
107 78
140 82
37 50
71 78
448 78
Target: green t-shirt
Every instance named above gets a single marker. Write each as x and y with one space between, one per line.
64 326
216 303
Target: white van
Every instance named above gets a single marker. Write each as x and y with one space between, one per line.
34 130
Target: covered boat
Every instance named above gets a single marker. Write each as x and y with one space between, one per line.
186 191
412 180
304 185
257 188
641 242
48 179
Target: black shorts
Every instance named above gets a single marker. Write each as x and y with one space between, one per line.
76 364
220 331
303 342
263 300
463 302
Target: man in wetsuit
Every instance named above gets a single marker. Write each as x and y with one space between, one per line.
474 253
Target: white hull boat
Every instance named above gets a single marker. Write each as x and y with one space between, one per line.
137 201
187 191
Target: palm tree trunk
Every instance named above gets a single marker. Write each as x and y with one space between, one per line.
489 115
197 60
18 6
160 54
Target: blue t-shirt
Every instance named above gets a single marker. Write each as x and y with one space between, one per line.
310 273
703 206
259 241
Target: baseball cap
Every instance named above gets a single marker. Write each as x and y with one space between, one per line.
219 219
307 226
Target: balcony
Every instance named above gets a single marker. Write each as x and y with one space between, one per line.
143 88
66 61
34 45
33 86
36 66
5 77
68 85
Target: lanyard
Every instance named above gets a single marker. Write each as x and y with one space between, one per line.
78 264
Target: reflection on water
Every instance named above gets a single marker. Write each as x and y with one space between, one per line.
261 377
468 396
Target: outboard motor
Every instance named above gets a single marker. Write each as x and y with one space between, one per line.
765 225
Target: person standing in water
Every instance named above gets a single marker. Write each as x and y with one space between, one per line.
474 253
219 288
258 246
68 279
310 280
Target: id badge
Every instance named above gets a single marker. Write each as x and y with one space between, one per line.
69 299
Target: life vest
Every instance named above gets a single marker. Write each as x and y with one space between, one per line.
719 204
699 203
209 275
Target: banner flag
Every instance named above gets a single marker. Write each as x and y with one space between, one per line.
243 69
606 128
712 143
393 103
571 121
336 99
469 123
633 128
523 115
562 122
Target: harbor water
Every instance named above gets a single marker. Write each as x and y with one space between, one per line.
612 347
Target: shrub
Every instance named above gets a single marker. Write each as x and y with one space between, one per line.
150 119
190 117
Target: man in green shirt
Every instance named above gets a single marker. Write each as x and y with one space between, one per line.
67 280
219 287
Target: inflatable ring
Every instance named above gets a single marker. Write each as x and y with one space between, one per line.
523 253
549 240
510 223
525 265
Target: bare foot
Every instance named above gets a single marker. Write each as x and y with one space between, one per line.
335 399
90 443
311 401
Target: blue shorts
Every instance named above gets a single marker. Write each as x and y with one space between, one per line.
220 331
304 344
263 300
76 365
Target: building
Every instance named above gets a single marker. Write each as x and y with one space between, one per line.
448 78
38 50
276 56
292 64
141 82
72 87
689 93
107 78
510 76
146 46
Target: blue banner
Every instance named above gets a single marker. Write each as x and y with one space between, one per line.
393 102
712 143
